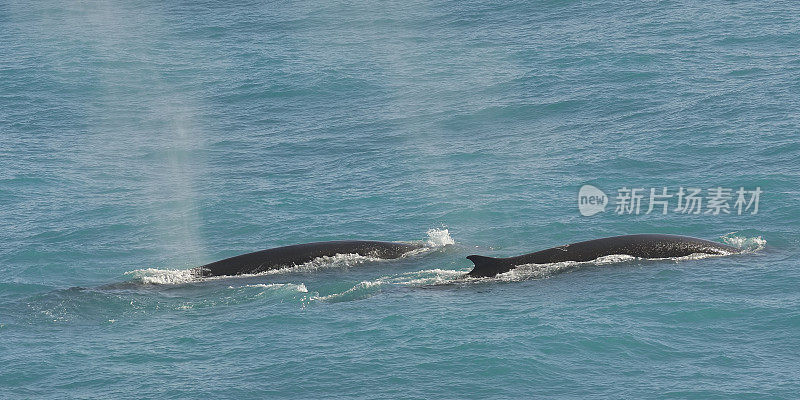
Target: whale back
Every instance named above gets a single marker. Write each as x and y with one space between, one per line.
287 256
643 246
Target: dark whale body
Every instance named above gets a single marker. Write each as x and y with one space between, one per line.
297 254
643 246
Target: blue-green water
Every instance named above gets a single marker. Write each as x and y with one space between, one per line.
138 138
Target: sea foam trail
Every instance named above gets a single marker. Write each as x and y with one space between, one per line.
233 295
369 288
436 239
296 287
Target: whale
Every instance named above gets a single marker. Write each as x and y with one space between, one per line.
287 256
642 246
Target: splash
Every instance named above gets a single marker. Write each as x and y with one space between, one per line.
154 276
439 238
747 244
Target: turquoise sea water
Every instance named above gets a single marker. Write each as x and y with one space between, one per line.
139 139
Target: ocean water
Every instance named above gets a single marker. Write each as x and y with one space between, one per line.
139 139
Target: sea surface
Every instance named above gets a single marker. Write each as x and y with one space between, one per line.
139 139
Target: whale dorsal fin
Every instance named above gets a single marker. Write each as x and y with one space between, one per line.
487 266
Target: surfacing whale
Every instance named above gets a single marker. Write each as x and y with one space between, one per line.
643 246
297 254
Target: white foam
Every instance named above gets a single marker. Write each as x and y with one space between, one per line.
439 237
426 277
154 276
746 244
361 286
364 289
613 259
693 256
291 286
325 262
533 271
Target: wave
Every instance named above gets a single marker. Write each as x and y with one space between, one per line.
368 288
232 295
295 287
